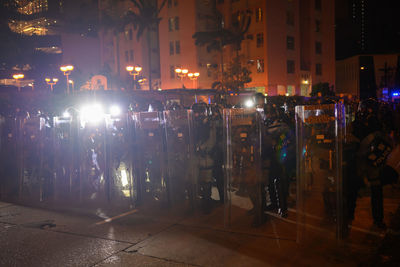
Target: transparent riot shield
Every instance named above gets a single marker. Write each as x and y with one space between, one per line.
243 174
93 179
119 141
182 175
9 183
319 131
31 161
149 159
208 159
66 156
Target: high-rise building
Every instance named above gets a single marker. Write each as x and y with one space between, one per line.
288 47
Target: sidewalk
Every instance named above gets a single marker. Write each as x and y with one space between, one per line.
35 237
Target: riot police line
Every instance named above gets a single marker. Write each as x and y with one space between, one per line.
237 163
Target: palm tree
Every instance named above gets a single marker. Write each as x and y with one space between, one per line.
146 19
220 37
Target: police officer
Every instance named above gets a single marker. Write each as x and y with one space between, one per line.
205 142
375 146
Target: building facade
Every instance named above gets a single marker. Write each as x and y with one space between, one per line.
364 76
288 47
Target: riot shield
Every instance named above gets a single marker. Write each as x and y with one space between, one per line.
182 175
66 156
319 133
149 159
32 160
9 183
208 157
243 174
93 179
119 138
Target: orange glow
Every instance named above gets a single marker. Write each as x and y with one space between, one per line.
18 76
178 71
190 75
196 74
185 71
129 68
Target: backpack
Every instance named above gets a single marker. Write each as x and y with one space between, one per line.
378 151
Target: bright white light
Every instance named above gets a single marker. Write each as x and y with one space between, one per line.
124 178
92 113
115 111
66 114
249 103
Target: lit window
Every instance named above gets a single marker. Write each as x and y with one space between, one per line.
259 14
260 65
171 24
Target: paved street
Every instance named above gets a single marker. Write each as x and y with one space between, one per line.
36 237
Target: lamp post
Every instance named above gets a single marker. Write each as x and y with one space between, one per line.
51 82
67 71
18 78
73 85
181 74
134 71
194 77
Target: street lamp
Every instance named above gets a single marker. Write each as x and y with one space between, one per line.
194 77
181 74
73 85
67 71
18 78
51 82
134 71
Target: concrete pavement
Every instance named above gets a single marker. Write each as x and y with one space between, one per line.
36 237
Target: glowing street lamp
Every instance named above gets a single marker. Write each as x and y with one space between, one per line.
51 82
134 71
67 71
194 77
18 78
181 74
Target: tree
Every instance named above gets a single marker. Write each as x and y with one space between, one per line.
146 19
323 88
235 77
220 37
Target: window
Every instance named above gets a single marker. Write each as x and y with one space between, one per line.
220 1
171 48
318 4
131 55
260 65
259 14
317 26
130 34
290 18
171 24
172 72
290 66
169 3
176 23
126 56
175 2
318 48
290 42
177 47
318 69
260 39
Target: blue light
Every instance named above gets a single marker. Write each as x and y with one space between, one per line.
396 94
